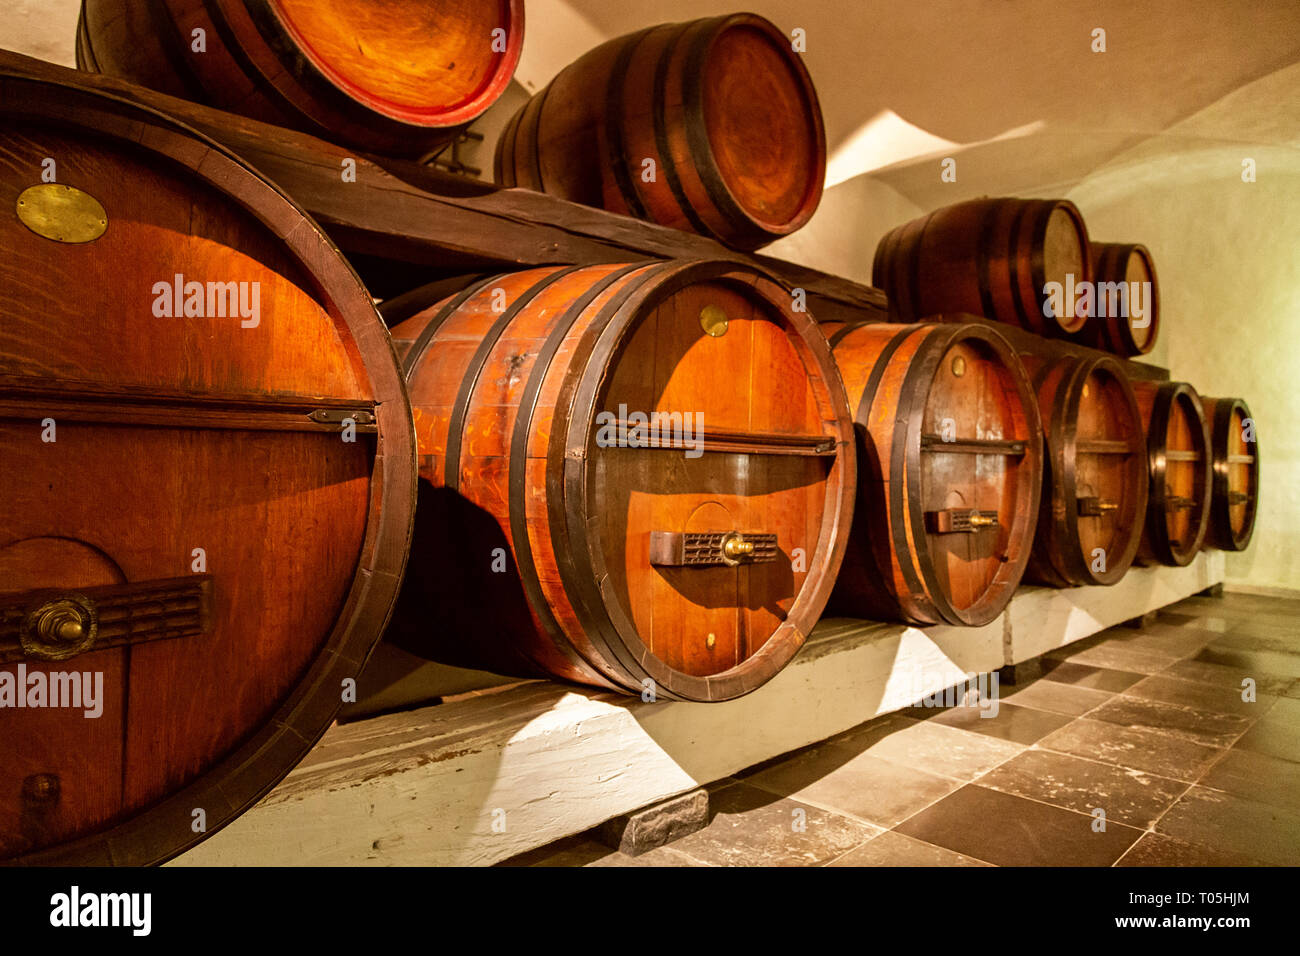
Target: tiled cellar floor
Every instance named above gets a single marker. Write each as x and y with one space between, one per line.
1149 726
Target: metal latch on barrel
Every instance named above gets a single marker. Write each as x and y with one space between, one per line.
337 416
58 624
1095 507
959 520
1179 503
710 548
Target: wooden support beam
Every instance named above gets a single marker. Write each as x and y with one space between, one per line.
438 224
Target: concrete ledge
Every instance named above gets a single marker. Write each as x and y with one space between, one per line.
495 773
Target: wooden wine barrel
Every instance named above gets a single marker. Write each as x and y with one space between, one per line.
1095 475
1234 450
710 126
592 543
989 257
191 534
1178 506
399 77
950 469
1121 323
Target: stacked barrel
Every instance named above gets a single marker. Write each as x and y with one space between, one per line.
1137 468
712 126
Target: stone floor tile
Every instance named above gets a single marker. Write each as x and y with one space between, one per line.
1136 748
1063 780
1007 830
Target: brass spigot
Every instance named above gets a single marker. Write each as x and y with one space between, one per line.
737 547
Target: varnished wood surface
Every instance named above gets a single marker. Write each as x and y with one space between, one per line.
175 433
1180 464
989 257
722 107
506 381
1128 263
1235 461
400 76
1095 452
963 382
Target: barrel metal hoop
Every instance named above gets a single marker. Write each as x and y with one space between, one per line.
524 562
661 136
421 343
459 412
616 158
984 243
1023 319
174 48
538 104
748 231
863 416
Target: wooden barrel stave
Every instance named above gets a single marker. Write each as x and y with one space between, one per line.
399 78
1178 505
508 387
1235 456
1095 476
897 565
990 257
177 432
722 106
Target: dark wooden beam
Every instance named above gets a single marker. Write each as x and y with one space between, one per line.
437 224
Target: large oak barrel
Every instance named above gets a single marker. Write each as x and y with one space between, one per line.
209 481
1095 475
1126 316
710 126
400 77
636 476
1178 506
1234 450
989 257
950 470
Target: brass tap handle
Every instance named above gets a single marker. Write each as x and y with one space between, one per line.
711 548
737 547
960 521
61 628
1095 507
54 625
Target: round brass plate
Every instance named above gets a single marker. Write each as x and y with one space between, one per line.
62 213
958 366
713 320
